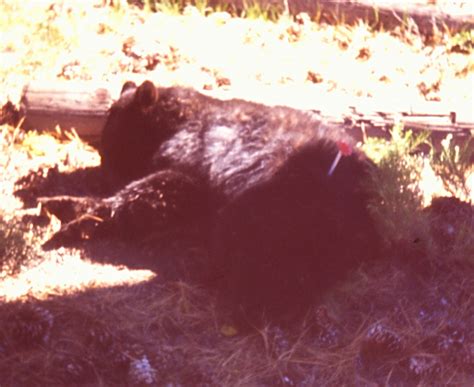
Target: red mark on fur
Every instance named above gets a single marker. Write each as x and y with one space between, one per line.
344 150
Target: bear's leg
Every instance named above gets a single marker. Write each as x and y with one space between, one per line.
158 202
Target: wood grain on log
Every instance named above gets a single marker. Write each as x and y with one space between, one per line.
383 13
84 107
79 105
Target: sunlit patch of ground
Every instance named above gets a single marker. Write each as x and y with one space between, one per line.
430 184
66 272
62 271
22 152
230 56
169 333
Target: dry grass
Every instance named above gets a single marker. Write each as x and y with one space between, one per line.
68 320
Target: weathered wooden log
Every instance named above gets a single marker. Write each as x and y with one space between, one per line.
79 105
390 14
368 118
83 106
387 14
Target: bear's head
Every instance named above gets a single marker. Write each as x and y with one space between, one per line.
134 130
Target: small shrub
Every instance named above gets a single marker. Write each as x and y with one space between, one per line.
255 10
399 198
14 250
398 207
172 7
453 164
462 42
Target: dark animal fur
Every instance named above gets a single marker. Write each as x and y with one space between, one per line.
232 144
285 241
158 202
283 229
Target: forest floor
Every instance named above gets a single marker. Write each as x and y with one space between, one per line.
69 317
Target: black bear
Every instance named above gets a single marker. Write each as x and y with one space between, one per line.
289 213
232 144
282 243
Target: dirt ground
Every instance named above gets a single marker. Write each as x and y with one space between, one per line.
114 314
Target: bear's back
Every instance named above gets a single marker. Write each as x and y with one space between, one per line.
237 144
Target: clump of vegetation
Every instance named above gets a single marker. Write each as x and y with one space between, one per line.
462 42
380 326
15 252
255 10
398 209
395 181
452 164
172 7
250 9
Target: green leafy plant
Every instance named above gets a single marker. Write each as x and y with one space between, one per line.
398 207
171 7
462 42
255 10
202 6
395 182
452 164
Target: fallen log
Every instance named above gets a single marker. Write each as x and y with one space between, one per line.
83 107
387 14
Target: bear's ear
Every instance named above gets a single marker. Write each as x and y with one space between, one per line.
146 94
128 86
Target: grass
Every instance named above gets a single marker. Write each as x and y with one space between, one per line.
395 182
72 320
453 163
250 10
15 253
171 7
254 10
400 197
462 42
